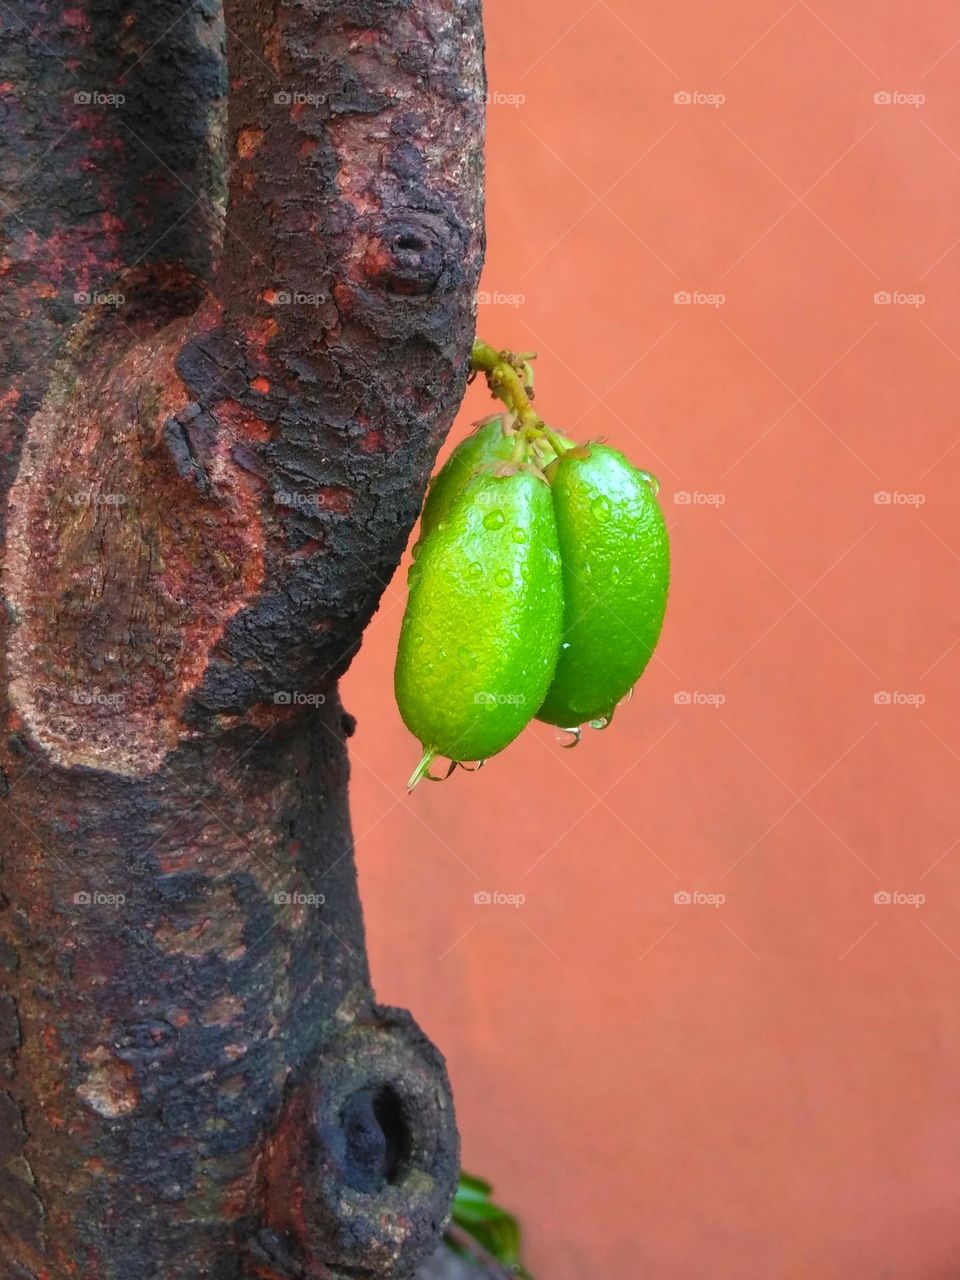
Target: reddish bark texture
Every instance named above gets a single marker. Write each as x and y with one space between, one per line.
210 462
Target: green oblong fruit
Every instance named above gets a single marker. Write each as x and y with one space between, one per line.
484 447
481 634
616 574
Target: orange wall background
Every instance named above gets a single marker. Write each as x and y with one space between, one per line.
769 1087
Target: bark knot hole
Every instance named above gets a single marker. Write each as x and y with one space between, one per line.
377 1142
408 256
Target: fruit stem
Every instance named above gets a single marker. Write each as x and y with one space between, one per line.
422 769
556 444
502 372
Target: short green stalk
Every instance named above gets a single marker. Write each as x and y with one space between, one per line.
505 374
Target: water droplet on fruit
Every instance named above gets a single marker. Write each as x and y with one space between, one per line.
504 578
493 520
600 508
565 645
417 548
524 570
476 569
519 535
569 738
451 766
651 480
602 722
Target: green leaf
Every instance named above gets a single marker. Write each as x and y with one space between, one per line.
470 1187
492 1227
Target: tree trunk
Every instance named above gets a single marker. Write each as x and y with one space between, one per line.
211 458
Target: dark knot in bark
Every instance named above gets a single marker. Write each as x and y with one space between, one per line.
410 254
363 1164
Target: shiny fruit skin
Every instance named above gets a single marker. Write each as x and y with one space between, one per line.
481 633
616 574
484 447
487 444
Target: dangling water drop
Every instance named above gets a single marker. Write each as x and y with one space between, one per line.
451 766
569 738
471 766
652 481
423 770
627 697
602 722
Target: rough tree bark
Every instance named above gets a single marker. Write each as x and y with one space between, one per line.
210 463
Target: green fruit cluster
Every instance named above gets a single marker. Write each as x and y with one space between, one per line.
538 590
